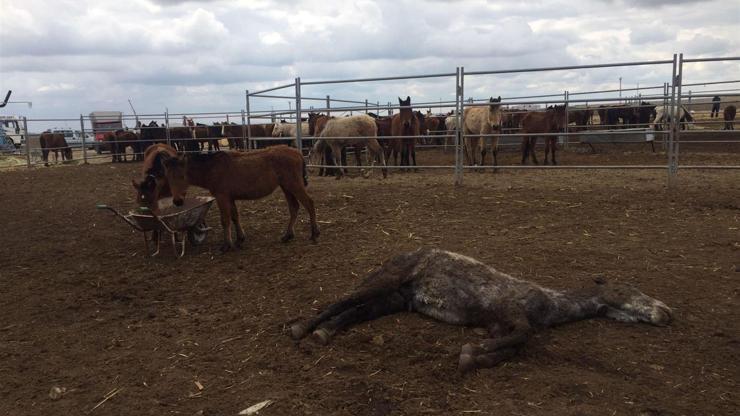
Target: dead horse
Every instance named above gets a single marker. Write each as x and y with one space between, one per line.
460 290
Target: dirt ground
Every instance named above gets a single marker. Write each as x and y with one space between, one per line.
82 308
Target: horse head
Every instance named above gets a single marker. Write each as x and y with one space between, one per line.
625 303
494 103
175 171
406 115
312 118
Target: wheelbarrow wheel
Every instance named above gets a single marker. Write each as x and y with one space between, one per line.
197 234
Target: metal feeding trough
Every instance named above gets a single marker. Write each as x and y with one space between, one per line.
188 219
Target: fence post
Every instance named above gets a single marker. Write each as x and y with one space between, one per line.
673 124
366 109
459 102
84 142
244 132
567 120
679 115
298 122
28 142
167 126
247 143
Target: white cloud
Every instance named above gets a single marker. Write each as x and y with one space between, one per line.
72 57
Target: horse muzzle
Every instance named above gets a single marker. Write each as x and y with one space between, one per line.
178 201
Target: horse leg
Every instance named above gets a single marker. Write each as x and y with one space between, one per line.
494 151
553 148
547 148
344 160
525 149
532 147
336 156
483 154
374 148
375 308
224 205
298 192
240 237
499 347
293 209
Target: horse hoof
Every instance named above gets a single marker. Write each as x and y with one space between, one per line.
297 331
226 248
466 363
322 336
286 237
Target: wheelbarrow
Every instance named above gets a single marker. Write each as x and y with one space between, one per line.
186 220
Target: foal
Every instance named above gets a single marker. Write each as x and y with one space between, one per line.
460 290
231 176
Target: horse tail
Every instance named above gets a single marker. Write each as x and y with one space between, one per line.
305 172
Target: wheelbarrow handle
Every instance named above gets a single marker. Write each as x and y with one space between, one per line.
123 217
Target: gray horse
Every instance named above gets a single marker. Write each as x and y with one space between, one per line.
460 290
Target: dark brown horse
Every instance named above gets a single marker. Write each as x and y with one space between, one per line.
551 120
405 123
119 140
729 116
231 176
153 186
54 142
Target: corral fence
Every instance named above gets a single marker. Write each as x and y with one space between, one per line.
669 98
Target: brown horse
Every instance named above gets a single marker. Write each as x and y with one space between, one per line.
153 186
54 142
729 116
231 176
405 123
550 121
119 140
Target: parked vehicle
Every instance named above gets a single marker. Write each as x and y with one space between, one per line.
104 122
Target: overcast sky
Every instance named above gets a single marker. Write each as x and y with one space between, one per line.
73 57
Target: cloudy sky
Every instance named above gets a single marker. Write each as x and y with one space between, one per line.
73 57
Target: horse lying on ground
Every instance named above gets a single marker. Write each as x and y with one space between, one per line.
54 142
477 121
551 120
231 176
460 290
153 186
729 117
361 126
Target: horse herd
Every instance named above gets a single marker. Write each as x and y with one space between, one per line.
392 137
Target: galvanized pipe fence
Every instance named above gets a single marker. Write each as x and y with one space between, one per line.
671 100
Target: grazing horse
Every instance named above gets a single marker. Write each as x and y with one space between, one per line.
459 290
478 121
663 119
231 176
153 186
645 114
405 123
118 142
581 118
54 142
551 120
729 116
316 124
344 129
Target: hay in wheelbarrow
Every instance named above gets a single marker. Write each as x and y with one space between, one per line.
185 220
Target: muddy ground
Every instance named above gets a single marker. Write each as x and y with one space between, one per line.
82 308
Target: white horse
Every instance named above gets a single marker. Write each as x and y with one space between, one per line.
288 129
